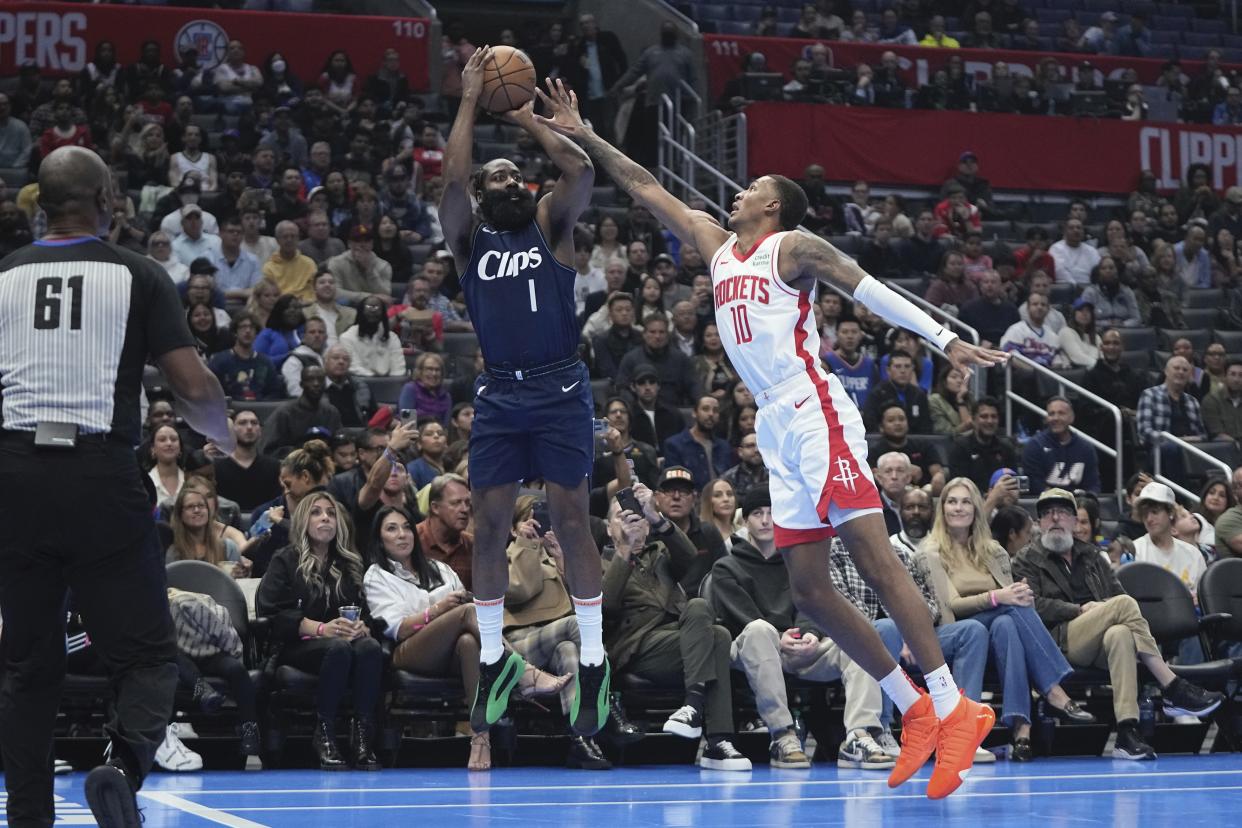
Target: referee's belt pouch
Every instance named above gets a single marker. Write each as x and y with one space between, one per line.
56 436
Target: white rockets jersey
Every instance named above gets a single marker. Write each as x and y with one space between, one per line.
767 328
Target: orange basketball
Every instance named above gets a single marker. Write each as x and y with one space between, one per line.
508 80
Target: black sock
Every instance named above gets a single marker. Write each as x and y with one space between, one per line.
696 695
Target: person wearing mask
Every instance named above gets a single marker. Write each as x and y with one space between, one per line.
310 592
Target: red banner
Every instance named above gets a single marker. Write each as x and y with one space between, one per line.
60 38
1021 152
725 54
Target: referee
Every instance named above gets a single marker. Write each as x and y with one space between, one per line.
78 319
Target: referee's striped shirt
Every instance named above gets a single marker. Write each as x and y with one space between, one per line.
78 320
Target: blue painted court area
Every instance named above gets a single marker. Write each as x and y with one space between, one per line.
1192 790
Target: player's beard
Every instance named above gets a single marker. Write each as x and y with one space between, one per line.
508 209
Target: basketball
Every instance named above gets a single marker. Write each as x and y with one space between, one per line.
508 80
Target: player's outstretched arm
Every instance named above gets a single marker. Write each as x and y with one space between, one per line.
456 215
691 226
805 256
572 195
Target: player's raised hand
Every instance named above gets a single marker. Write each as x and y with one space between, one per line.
561 104
472 72
965 356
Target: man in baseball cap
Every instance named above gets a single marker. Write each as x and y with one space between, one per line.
1095 623
1157 508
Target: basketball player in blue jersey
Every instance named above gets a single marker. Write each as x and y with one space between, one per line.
765 274
533 404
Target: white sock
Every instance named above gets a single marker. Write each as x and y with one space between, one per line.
491 617
590 629
900 689
943 689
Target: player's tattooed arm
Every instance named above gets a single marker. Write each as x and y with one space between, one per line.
804 256
691 226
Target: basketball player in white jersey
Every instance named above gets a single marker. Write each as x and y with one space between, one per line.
764 278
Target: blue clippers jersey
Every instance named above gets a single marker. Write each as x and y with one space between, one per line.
520 298
857 379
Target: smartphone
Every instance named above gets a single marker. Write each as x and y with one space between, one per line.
408 415
1024 485
540 513
629 501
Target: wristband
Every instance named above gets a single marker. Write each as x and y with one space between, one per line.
392 458
319 631
898 311
992 595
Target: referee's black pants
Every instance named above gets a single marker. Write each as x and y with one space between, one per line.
78 520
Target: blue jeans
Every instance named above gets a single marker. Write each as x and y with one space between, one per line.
965 646
1025 654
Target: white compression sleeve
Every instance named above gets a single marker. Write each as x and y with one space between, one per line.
898 311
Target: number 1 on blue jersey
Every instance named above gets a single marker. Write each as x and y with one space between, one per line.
534 304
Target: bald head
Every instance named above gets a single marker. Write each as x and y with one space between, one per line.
75 186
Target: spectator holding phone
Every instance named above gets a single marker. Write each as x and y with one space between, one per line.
540 624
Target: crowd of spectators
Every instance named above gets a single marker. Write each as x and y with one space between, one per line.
1199 95
298 217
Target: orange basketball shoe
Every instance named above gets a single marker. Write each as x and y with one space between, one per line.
959 736
919 731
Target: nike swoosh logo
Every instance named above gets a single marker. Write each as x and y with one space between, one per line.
567 388
482 388
803 402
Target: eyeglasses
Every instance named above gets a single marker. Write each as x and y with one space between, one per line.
1058 512
194 507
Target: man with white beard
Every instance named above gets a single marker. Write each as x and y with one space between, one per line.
1096 624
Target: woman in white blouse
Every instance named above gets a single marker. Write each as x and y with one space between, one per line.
429 615
166 474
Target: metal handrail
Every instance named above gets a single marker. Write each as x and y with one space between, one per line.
1161 437
1012 397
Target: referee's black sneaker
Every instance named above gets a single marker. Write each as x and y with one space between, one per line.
1181 698
496 682
111 797
588 712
